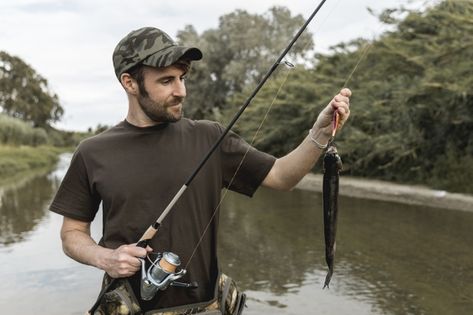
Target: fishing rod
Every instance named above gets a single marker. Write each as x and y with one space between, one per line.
151 231
166 268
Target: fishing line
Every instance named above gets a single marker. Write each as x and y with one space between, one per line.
363 54
290 66
369 44
330 193
224 194
365 51
153 228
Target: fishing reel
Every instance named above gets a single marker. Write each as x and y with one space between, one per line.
160 274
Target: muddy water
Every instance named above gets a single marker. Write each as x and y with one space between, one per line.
391 258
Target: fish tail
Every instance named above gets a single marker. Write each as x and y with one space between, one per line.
328 277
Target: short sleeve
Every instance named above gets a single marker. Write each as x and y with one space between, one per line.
244 167
76 198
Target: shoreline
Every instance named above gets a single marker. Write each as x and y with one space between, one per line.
387 191
20 159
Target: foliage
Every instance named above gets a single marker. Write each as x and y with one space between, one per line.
66 139
25 94
414 112
98 129
287 95
412 106
17 132
237 54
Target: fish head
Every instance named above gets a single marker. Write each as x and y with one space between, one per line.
332 160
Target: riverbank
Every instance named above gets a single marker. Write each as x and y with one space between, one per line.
386 191
16 159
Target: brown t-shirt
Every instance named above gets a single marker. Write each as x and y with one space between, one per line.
136 172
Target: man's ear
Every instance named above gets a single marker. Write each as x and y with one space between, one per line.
129 84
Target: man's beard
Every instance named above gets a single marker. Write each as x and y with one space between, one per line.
158 112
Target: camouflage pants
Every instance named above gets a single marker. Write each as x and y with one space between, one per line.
120 301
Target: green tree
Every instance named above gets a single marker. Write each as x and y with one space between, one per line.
25 94
237 54
412 116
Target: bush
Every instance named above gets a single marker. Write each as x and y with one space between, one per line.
17 132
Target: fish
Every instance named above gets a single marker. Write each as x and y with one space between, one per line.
332 167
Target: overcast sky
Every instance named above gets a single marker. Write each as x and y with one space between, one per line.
70 43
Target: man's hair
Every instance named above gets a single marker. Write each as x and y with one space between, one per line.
184 65
137 73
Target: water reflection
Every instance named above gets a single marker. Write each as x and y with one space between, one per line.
23 204
391 258
417 260
32 264
400 259
271 241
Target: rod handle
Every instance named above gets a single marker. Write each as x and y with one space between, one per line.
147 235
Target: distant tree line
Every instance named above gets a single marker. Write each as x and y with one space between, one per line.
412 104
28 107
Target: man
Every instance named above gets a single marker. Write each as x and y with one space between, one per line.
136 167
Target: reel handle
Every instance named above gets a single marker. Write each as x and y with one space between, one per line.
192 285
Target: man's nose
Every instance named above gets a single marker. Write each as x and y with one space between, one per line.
179 88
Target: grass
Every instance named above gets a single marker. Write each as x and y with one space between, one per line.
15 159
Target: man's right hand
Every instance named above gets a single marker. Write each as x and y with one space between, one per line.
124 261
79 245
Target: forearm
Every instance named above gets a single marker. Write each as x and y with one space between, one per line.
290 169
80 246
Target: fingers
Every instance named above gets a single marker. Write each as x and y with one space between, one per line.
341 104
345 92
127 259
124 261
136 251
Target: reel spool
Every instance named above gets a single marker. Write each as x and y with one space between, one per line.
161 274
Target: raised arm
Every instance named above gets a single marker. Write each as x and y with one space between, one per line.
288 170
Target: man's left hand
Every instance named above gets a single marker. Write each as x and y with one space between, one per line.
322 128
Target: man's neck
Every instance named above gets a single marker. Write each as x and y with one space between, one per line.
140 121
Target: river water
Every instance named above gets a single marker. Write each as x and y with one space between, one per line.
391 258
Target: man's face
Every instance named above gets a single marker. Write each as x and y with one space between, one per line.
164 93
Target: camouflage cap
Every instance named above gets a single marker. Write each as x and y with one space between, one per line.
152 47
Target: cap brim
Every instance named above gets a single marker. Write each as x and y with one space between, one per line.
192 53
171 55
